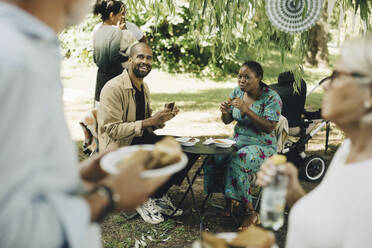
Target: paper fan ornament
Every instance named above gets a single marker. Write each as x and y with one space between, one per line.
293 16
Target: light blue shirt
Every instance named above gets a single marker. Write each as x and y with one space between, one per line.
39 204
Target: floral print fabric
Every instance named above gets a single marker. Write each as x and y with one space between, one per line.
253 147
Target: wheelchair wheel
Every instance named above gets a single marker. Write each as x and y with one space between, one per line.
313 169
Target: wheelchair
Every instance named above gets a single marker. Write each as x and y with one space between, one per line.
313 167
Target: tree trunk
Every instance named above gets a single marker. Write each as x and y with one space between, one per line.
318 41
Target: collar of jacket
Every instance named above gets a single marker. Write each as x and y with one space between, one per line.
128 84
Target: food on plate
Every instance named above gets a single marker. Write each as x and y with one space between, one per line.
220 141
211 240
252 237
191 140
166 152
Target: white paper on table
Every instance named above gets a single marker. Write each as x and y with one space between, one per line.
208 141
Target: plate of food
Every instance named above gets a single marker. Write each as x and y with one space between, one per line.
187 141
252 237
162 159
224 143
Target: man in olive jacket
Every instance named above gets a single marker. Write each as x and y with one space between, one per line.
124 113
124 118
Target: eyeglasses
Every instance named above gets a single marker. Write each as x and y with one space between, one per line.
335 74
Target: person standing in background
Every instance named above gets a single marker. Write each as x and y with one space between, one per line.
106 42
110 40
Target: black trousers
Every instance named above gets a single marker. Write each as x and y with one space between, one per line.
177 178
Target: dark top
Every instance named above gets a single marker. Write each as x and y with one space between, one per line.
140 115
293 102
106 46
140 103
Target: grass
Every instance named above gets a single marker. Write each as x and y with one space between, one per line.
202 100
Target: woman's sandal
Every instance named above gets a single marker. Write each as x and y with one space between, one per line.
251 218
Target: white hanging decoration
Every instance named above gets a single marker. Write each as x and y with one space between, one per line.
293 16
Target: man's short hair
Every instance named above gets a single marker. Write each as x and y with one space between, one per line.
136 46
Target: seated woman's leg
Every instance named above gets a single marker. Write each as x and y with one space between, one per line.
213 173
245 162
214 182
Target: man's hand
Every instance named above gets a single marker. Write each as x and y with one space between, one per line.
162 116
90 169
175 111
132 189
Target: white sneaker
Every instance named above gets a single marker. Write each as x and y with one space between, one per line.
150 212
166 207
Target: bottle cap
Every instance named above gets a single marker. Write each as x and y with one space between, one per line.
278 159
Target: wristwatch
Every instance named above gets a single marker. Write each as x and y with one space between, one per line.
111 197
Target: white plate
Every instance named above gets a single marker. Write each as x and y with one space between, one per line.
110 160
185 141
226 143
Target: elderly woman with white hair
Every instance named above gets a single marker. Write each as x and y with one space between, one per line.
338 212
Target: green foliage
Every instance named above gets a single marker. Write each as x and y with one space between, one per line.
204 37
364 6
76 42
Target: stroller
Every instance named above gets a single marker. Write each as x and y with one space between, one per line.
311 168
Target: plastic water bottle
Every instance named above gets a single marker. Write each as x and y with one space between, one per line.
274 197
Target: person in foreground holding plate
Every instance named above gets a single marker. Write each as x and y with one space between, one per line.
256 109
42 198
124 118
337 213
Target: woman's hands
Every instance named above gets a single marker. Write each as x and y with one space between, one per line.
226 116
267 172
225 107
243 105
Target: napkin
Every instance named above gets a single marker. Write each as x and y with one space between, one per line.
208 141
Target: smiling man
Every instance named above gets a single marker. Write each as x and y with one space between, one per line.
124 114
124 118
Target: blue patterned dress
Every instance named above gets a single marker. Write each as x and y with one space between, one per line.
253 147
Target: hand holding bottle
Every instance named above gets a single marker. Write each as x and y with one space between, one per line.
267 172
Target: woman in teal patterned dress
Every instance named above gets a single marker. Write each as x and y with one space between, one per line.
256 109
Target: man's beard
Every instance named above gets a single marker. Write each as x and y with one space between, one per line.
78 11
138 73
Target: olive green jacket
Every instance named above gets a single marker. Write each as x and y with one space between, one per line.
117 112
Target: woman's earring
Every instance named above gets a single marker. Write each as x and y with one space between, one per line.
367 104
